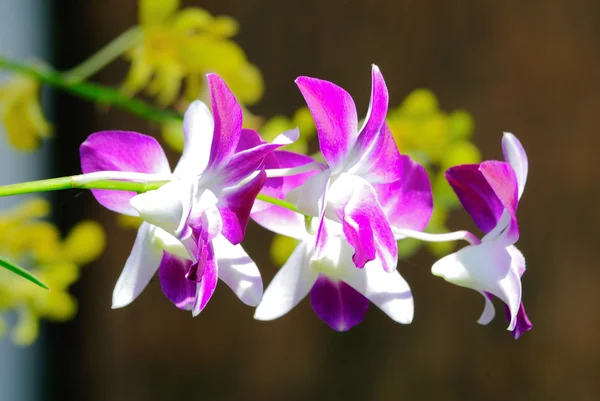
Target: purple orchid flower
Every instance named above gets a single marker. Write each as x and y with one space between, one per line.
340 293
490 193
358 161
193 224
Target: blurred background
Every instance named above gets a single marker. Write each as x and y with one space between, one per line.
531 68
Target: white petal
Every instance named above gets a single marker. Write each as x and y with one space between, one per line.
289 286
488 311
288 137
167 207
389 291
518 260
485 267
238 271
311 196
141 265
515 155
198 127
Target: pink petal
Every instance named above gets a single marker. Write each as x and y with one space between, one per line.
338 304
377 112
208 283
381 163
121 151
407 202
335 117
476 195
227 115
523 323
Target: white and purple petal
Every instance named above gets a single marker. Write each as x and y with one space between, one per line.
121 151
334 113
141 265
208 283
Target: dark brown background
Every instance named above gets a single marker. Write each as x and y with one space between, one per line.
529 67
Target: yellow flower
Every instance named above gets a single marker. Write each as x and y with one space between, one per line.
38 246
186 44
437 140
22 114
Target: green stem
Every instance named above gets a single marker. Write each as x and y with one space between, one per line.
57 184
105 56
91 91
72 182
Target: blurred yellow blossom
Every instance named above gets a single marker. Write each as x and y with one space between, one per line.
186 44
437 140
22 114
38 246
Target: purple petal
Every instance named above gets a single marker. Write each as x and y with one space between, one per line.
235 208
364 223
515 155
377 112
338 304
335 117
198 130
121 151
523 324
476 195
227 115
208 283
407 202
179 290
503 181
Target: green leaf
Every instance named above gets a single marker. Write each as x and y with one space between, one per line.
22 272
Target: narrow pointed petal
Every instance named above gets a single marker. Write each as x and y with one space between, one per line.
488 309
289 286
121 151
388 291
476 195
335 117
235 208
407 202
238 271
515 155
484 267
375 119
523 323
207 285
338 304
141 265
365 225
380 163
168 207
179 290
246 161
227 115
198 130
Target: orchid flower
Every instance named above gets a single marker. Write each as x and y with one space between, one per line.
358 161
490 192
195 222
339 292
